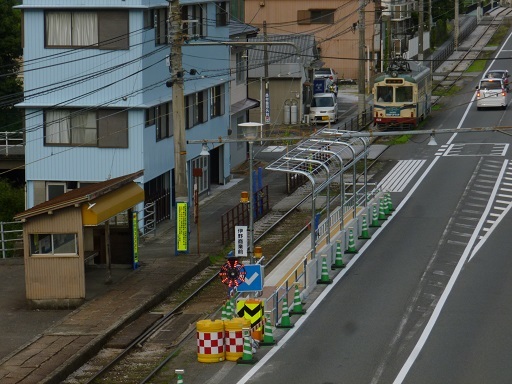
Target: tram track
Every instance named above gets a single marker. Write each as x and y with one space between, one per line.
467 56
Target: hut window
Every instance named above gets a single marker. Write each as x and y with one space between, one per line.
53 244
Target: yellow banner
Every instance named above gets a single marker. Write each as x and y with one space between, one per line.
182 227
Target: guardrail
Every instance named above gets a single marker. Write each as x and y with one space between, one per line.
11 239
301 273
11 143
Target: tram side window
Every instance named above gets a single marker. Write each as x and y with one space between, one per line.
404 95
385 94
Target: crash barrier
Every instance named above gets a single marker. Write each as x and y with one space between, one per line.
210 341
309 270
234 338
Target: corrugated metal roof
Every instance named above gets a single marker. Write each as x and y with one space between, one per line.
305 44
237 28
79 195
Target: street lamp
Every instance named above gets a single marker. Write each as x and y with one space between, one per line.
250 131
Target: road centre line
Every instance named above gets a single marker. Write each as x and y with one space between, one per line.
437 310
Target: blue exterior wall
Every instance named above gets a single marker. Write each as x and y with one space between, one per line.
81 78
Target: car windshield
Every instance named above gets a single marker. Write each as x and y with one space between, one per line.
490 85
322 102
497 75
323 71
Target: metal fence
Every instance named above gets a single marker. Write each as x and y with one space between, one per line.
11 143
11 239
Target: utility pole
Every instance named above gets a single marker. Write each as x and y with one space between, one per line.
361 72
456 29
420 32
178 119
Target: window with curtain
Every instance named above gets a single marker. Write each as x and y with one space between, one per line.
164 121
107 128
102 29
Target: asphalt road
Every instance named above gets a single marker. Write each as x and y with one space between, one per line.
427 299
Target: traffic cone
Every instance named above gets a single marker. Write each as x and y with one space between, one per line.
224 315
390 203
382 212
324 277
268 338
351 242
338 260
247 356
386 207
285 316
375 217
229 310
233 308
179 373
364 229
297 303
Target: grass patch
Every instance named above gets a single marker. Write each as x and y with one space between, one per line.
394 140
498 36
480 63
437 107
441 91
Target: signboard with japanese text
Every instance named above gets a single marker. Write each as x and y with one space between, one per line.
267 107
182 226
240 240
135 241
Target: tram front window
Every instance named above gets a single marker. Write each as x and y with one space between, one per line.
385 94
404 95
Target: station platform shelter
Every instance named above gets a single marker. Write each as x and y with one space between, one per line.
94 224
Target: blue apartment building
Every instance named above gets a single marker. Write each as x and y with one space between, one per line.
96 102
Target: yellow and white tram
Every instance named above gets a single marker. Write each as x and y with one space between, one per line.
402 97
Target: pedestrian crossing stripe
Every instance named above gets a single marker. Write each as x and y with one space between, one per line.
250 309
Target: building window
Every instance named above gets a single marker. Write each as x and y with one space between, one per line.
101 128
53 244
197 18
150 116
95 29
149 19
55 189
203 181
222 13
217 101
164 126
162 26
241 61
322 16
196 109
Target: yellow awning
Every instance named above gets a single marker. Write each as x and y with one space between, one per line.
103 208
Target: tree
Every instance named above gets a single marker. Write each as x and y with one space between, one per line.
11 89
12 200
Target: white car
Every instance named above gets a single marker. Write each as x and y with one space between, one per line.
324 108
491 93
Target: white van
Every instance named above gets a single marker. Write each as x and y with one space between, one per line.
324 108
491 93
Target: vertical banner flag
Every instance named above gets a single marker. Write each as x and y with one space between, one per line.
135 241
267 107
182 226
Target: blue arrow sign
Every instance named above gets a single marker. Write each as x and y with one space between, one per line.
253 279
